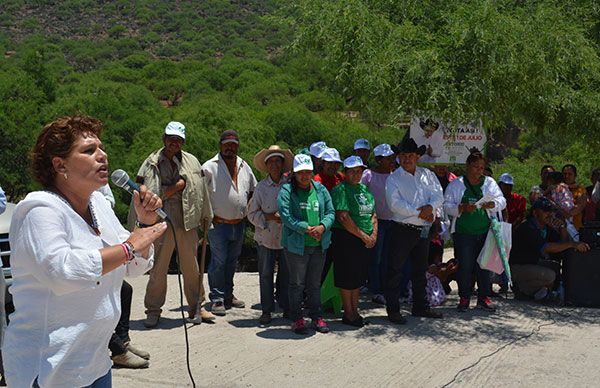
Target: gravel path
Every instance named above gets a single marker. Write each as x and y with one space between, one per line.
521 345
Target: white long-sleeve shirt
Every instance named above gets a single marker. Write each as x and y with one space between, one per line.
65 309
405 193
456 190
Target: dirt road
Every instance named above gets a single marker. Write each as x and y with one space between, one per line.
521 345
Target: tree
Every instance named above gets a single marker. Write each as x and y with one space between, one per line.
533 63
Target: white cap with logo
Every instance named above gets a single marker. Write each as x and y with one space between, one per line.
316 149
302 162
331 155
175 128
383 150
362 144
507 179
353 161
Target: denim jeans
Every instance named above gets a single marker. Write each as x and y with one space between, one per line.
380 255
266 267
102 382
466 251
305 275
225 248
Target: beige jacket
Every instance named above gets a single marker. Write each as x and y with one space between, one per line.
195 197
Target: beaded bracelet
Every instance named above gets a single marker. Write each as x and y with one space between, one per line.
125 249
130 250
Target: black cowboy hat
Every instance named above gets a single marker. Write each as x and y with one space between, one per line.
408 146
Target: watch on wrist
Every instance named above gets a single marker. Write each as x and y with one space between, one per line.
138 224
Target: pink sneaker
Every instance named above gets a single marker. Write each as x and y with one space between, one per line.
320 325
298 327
486 304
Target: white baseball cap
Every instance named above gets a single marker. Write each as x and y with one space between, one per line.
316 149
302 162
383 150
331 155
362 144
353 161
175 128
507 179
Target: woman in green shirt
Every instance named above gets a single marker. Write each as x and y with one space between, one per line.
354 235
307 215
471 200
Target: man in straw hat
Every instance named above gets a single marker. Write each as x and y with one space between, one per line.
262 213
413 195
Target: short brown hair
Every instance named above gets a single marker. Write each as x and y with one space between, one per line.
57 139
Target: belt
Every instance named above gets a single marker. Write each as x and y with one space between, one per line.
410 226
219 220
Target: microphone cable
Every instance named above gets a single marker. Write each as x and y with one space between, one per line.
185 329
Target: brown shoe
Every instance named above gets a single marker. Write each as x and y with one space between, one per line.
138 352
207 316
234 302
151 321
129 360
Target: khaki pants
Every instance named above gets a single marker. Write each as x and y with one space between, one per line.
532 277
187 241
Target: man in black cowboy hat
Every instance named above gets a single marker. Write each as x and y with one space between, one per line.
413 195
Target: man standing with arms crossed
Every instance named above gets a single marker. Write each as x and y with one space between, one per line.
231 183
413 195
177 176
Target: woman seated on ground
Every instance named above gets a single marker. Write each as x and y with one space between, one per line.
470 225
354 236
73 254
307 215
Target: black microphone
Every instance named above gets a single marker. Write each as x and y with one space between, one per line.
121 179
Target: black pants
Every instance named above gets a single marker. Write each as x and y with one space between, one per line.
120 337
406 244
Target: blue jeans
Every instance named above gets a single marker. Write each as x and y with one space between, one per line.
380 255
102 382
305 275
266 267
466 251
225 248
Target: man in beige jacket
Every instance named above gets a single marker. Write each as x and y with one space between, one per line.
177 176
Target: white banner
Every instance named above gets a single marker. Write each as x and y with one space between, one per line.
446 145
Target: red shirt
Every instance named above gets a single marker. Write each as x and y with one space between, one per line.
330 181
515 206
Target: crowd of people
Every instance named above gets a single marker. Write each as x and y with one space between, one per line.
380 227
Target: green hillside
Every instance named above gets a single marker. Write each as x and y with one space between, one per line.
291 73
212 65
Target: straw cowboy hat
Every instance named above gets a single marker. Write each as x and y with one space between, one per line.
261 157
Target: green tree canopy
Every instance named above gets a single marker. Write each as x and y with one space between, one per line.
533 63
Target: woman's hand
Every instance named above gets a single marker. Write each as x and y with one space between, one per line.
142 238
316 232
488 205
146 209
466 208
369 240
